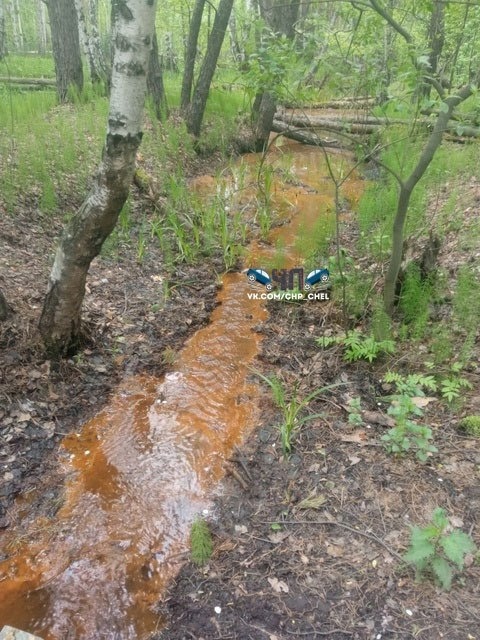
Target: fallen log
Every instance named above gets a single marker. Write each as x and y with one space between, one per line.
306 137
41 82
367 125
328 124
311 120
346 103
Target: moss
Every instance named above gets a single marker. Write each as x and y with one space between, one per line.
471 425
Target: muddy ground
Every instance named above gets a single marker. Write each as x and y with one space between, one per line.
134 322
311 545
305 546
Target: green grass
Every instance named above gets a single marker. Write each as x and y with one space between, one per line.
25 66
46 150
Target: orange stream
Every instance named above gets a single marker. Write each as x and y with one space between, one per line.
138 474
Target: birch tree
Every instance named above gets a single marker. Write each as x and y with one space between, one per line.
41 27
19 39
90 39
3 44
60 322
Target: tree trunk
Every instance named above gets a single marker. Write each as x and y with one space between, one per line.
169 60
98 60
3 43
41 27
155 82
263 112
191 54
281 18
305 137
65 45
17 26
90 40
436 40
406 190
85 234
202 87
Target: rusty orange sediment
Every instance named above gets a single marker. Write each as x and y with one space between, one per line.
138 474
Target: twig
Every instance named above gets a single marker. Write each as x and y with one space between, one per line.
319 633
364 534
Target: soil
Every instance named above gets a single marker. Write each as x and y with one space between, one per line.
307 545
310 545
134 321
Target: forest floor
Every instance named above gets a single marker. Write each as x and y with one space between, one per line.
306 546
134 322
311 545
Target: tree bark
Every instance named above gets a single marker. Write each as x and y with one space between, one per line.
65 45
40 82
90 40
41 27
436 40
191 54
3 42
17 26
155 82
196 110
85 234
305 137
281 18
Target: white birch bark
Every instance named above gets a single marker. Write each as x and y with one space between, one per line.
3 43
17 21
41 26
86 233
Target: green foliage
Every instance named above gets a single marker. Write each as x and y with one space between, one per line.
407 435
269 65
346 274
201 542
359 347
291 407
466 307
21 66
411 385
415 300
471 425
435 551
354 412
451 388
380 323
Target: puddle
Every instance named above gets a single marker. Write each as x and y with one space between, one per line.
138 474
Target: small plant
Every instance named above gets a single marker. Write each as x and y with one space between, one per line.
471 425
407 435
291 407
169 356
201 542
411 385
436 549
354 412
451 387
359 347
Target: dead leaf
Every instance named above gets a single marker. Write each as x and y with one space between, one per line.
421 401
335 550
354 460
312 501
278 536
358 436
377 417
278 585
